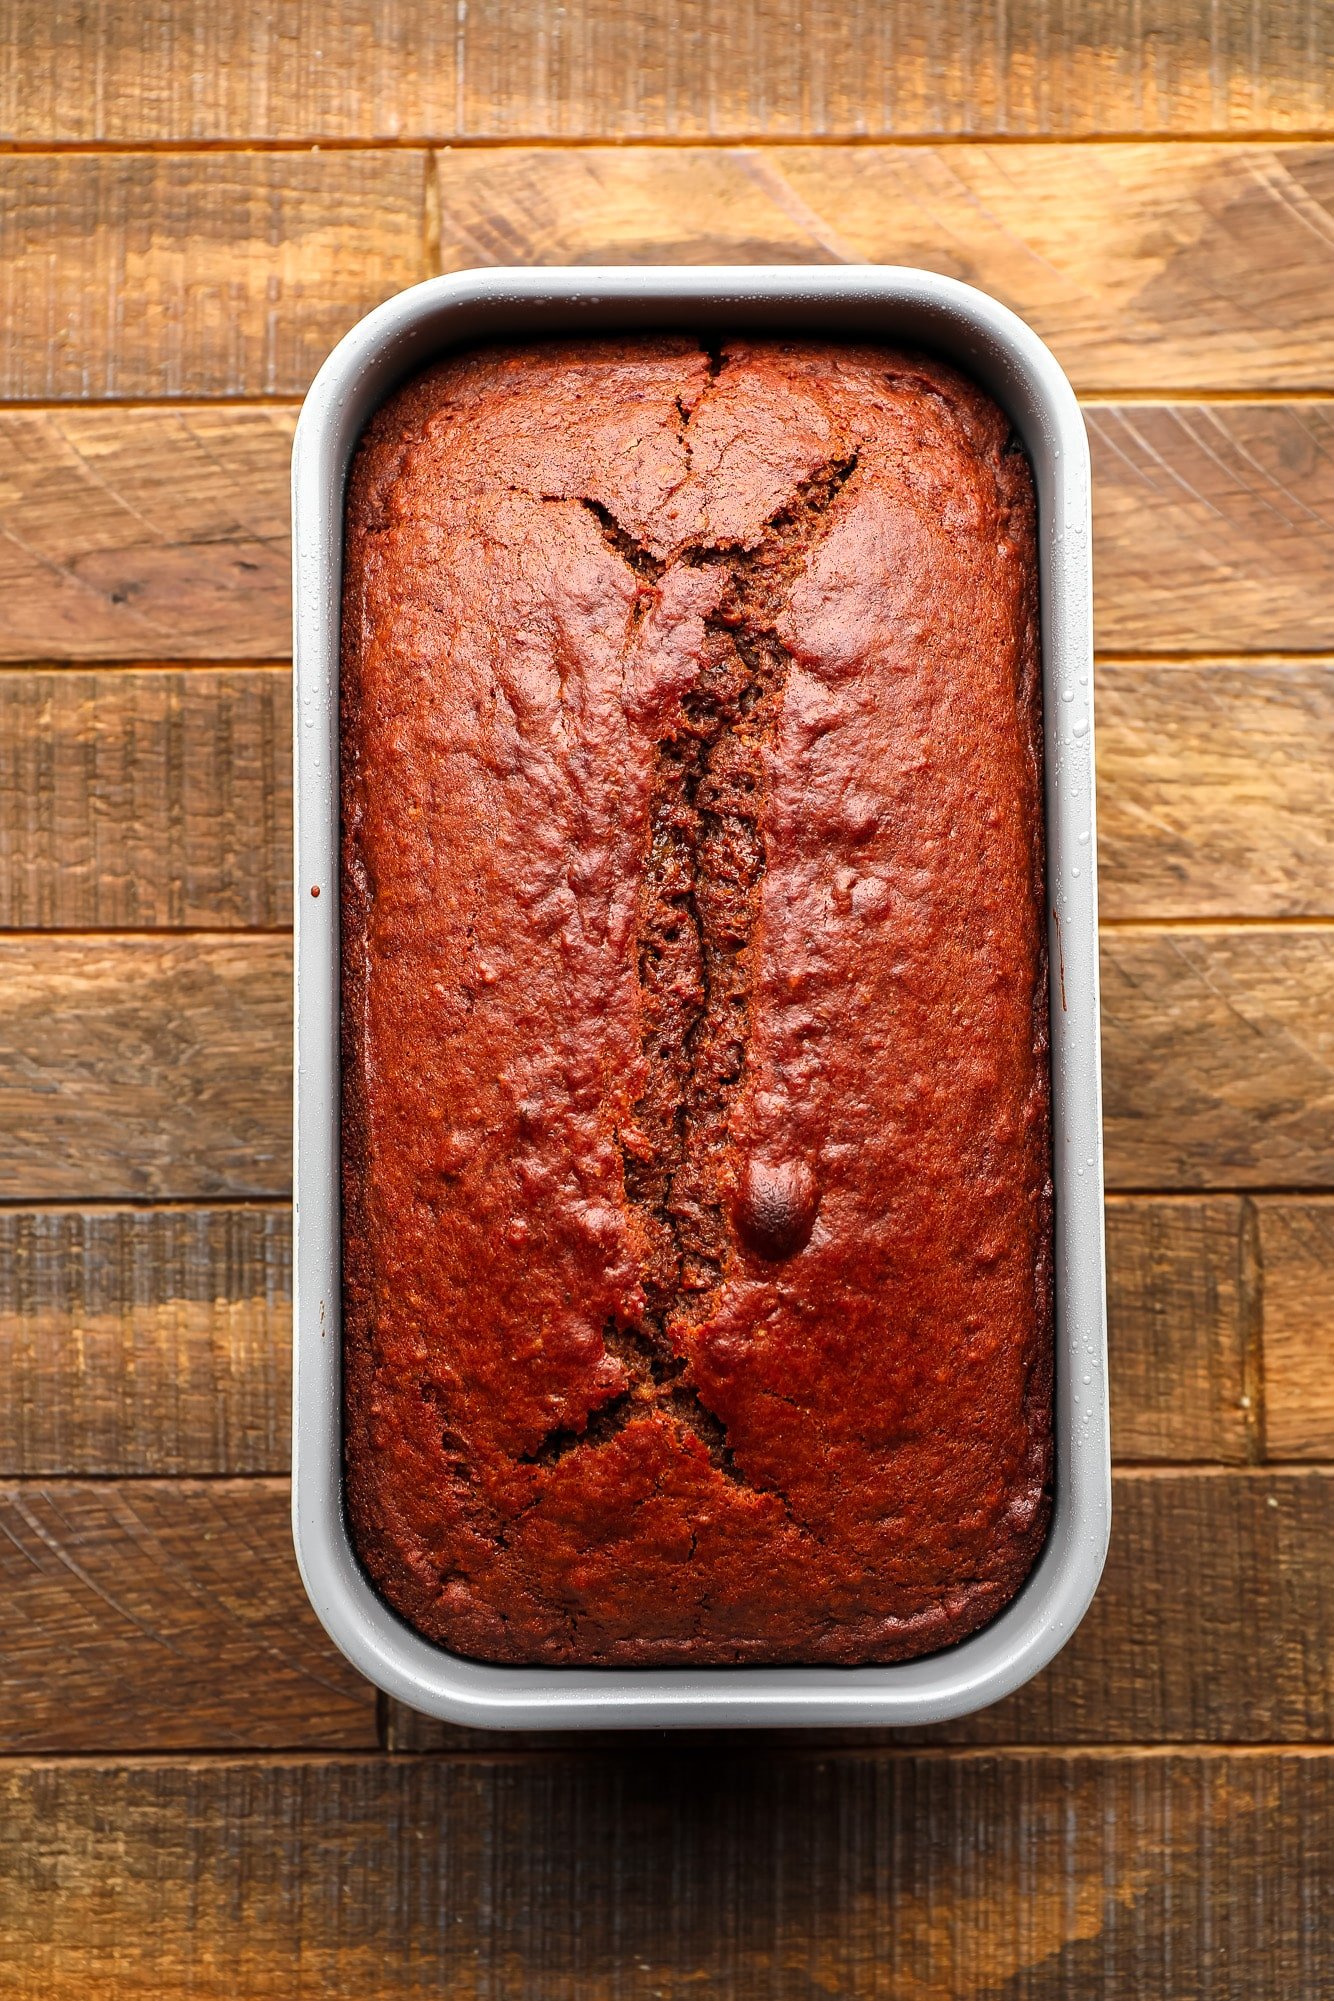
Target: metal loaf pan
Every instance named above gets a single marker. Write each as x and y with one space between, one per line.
999 351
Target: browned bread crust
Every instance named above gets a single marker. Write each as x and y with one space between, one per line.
696 1155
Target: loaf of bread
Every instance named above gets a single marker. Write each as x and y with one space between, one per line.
696 1156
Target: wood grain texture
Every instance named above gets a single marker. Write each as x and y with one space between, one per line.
1178 1331
1297 1250
145 1341
161 534
156 1340
1212 526
659 68
1214 793
132 800
1191 266
209 274
161 1068
1145 267
144 1067
145 534
1212 1624
164 1615
1218 1058
670 1871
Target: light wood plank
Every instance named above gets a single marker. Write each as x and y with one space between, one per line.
1218 1058
145 1067
1182 267
145 1341
131 800
1214 793
164 1615
161 534
1190 267
1145 267
670 1870
156 1340
138 274
1213 526
164 798
660 68
145 534
1297 1250
161 1068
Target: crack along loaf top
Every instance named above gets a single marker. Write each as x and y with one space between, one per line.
697 1212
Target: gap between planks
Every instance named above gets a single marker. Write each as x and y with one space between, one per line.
1135 1469
1292 656
76 1205
733 142
1092 398
664 1742
238 934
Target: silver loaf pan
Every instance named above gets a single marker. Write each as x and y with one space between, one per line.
879 302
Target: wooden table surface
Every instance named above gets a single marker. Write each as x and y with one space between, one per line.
197 1796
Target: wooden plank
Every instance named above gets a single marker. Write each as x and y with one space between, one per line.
145 534
1166 1652
145 1067
164 1615
145 1341
161 1067
1212 526
1214 794
161 534
1162 1655
1145 267
1297 1253
660 68
1178 1329
1218 1058
156 1340
137 274
131 800
671 1870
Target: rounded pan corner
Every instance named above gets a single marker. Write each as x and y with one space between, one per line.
1005 355
983 1669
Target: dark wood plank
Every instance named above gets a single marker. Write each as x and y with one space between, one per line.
1212 1624
669 1871
1212 526
1145 267
660 68
135 274
145 1067
145 1341
161 1067
1297 1255
1218 1058
164 1615
130 800
145 534
164 798
161 534
1214 794
1178 1327
156 1340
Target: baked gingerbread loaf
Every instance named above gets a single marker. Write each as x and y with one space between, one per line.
697 1294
